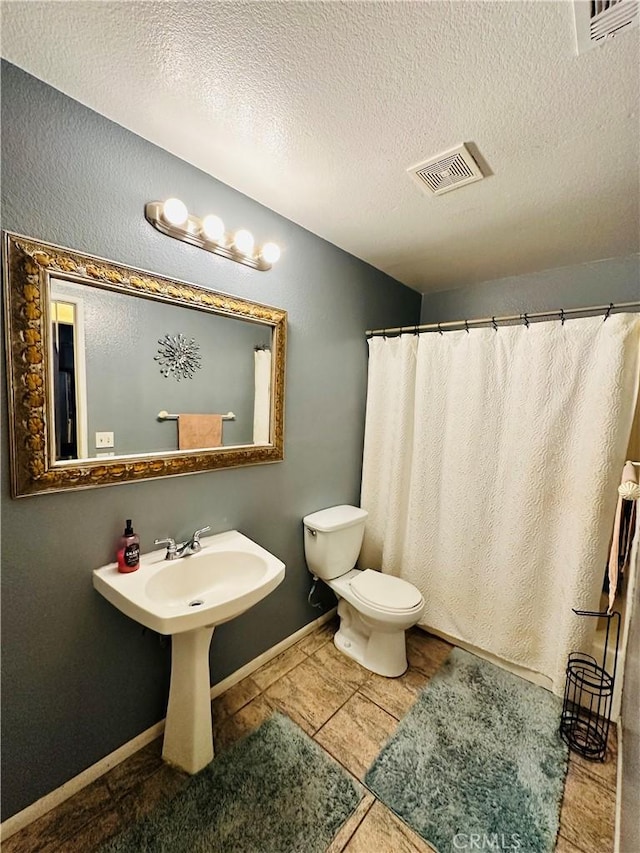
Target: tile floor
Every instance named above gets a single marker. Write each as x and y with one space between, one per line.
350 712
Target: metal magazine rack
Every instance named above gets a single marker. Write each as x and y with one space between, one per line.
588 693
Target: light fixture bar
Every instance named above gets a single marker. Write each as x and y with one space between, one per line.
190 231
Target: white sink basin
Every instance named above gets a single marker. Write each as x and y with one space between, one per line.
228 576
187 598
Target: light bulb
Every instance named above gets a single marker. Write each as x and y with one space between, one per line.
212 228
243 241
175 211
270 253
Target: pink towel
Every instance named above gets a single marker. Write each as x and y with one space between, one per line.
197 432
628 475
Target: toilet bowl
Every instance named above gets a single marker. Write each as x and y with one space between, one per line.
375 609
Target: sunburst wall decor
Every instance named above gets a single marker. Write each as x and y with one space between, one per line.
178 357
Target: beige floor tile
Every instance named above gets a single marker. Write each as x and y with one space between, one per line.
383 832
25 841
336 666
94 834
324 634
564 846
356 734
588 812
244 721
605 771
350 826
49 831
414 679
163 785
394 695
277 667
134 769
234 698
425 652
307 696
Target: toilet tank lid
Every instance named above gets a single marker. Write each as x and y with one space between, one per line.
335 518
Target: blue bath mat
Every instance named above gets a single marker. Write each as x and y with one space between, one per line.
275 791
478 760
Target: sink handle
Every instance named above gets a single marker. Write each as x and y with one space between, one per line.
171 547
194 542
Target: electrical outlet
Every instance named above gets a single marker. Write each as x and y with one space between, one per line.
104 439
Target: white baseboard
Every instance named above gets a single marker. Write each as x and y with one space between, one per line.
618 825
31 813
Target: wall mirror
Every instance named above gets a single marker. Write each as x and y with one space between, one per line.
116 374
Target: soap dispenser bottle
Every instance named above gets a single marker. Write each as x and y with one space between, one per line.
128 550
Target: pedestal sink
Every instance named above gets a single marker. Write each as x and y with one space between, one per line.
187 598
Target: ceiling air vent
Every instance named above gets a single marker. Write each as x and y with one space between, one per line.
597 21
447 171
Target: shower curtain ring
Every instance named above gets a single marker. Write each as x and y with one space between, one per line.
415 330
526 320
494 324
609 309
440 330
466 326
562 317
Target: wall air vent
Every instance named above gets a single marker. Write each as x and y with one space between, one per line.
598 21
447 171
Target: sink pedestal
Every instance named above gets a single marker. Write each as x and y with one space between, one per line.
185 599
188 735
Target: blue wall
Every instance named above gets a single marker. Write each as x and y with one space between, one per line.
79 679
595 283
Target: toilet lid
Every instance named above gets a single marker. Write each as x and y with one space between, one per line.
385 591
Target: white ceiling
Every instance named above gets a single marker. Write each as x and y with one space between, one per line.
316 109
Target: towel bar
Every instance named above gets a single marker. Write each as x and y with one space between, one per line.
165 416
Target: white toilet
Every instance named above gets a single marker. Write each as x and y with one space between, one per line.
374 609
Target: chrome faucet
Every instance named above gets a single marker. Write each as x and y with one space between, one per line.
191 546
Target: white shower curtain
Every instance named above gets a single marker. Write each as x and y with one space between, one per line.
491 464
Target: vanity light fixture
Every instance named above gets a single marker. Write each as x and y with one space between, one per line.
171 217
212 228
270 253
175 212
243 241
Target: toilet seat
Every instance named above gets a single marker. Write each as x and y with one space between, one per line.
386 593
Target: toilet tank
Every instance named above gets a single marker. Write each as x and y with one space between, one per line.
332 540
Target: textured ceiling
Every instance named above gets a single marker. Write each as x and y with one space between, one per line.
316 110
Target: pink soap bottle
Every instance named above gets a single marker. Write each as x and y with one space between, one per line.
128 550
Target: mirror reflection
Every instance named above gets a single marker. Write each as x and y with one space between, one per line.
132 376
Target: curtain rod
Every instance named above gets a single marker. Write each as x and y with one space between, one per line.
560 314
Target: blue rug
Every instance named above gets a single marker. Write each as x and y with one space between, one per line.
275 791
478 762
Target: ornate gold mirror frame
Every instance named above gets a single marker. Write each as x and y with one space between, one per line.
27 268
